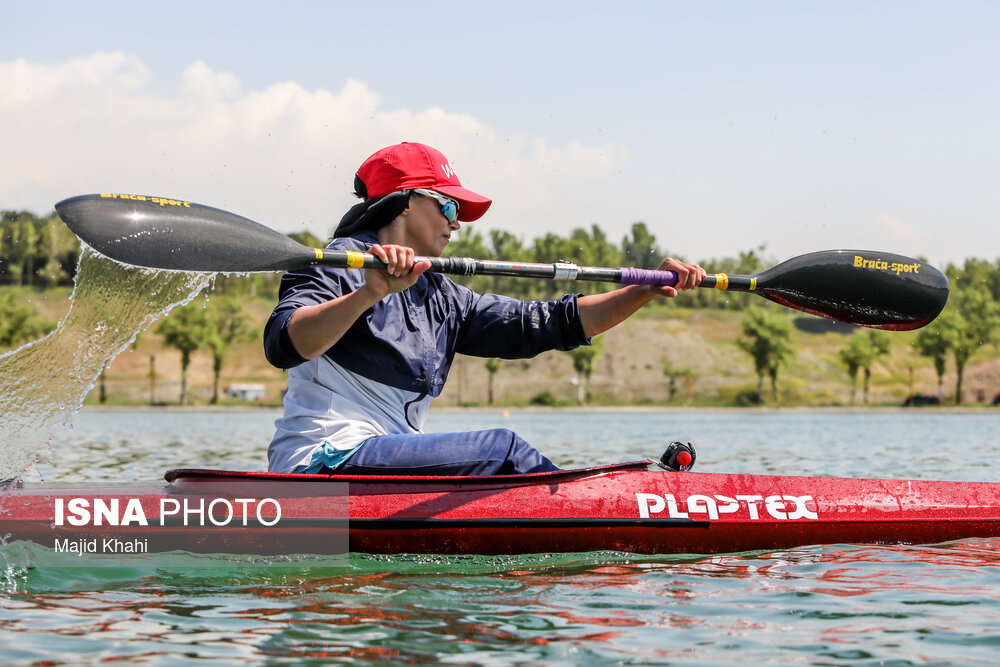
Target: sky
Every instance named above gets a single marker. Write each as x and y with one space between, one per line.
724 126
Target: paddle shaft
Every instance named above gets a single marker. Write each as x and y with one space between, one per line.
868 288
467 266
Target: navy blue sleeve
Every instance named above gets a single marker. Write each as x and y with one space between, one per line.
301 288
278 348
500 326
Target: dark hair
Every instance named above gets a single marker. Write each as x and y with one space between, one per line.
372 214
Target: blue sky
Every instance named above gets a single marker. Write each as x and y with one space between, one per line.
724 126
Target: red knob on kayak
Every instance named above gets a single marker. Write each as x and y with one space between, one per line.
678 457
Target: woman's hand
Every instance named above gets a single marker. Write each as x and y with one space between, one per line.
400 271
600 312
315 329
689 276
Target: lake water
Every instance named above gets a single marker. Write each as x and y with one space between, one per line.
830 605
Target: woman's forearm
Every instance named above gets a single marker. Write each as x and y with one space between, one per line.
600 312
315 329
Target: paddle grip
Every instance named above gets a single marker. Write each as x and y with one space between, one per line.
633 276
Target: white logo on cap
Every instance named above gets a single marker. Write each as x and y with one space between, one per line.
448 171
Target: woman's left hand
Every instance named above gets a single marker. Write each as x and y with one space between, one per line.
689 276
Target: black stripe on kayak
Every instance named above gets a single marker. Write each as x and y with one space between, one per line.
418 523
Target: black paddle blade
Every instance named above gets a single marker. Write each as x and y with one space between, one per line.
162 233
871 289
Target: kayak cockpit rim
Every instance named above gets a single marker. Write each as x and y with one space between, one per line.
180 474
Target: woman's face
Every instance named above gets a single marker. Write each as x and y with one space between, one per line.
427 231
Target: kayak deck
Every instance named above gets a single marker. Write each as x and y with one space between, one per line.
622 507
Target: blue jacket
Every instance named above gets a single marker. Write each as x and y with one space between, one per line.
409 339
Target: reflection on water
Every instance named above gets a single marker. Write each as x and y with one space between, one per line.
45 382
828 605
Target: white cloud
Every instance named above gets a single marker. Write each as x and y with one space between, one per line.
283 155
893 229
202 83
26 83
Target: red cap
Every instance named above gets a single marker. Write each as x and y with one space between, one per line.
407 166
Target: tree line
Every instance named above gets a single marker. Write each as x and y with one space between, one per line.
43 252
969 322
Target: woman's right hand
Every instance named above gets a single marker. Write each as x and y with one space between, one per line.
399 274
315 329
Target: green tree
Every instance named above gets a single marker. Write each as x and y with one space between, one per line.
493 366
228 323
768 341
584 247
467 243
746 262
58 250
187 330
547 249
850 356
20 244
640 249
860 353
592 248
976 272
583 363
931 342
968 323
504 246
52 273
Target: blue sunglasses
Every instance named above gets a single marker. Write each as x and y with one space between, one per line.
449 207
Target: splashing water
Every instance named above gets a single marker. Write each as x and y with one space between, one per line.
43 383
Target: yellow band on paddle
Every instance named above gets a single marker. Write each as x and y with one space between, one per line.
355 260
753 284
721 281
319 253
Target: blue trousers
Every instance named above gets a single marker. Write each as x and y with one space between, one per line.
497 451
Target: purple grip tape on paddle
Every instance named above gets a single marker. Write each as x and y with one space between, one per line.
631 276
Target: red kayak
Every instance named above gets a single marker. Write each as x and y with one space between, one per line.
625 507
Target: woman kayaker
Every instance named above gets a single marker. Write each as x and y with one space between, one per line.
368 351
